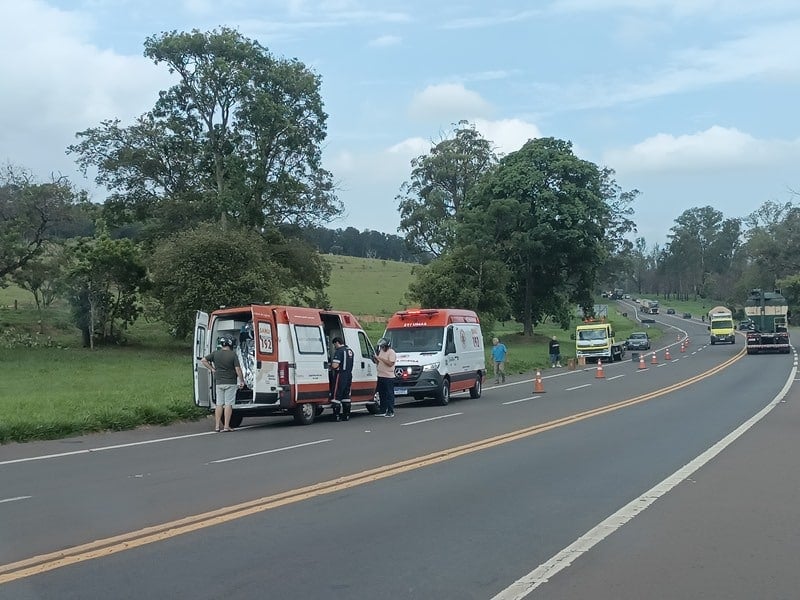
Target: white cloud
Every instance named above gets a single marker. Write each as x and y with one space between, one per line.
508 135
448 101
385 41
62 84
716 148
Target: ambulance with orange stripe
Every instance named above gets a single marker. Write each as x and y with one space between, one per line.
285 354
439 353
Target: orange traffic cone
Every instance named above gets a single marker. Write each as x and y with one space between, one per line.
667 355
538 387
654 359
641 362
599 374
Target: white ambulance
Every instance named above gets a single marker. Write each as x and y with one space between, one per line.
439 352
284 352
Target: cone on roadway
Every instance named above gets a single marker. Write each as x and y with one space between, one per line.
538 387
667 355
641 362
599 374
683 347
654 359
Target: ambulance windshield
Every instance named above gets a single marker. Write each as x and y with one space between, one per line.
416 339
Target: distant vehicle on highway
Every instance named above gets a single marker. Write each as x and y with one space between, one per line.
670 311
745 324
687 315
638 340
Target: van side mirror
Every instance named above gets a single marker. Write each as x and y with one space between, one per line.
610 333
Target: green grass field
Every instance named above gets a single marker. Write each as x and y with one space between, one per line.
54 388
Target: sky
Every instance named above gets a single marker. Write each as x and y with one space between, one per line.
692 102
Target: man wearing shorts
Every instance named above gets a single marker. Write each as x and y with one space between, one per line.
224 366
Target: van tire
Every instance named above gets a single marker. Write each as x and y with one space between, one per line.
304 413
373 408
443 394
475 390
236 419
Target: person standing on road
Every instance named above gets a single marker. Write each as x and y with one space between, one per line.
342 367
499 354
555 352
385 358
224 366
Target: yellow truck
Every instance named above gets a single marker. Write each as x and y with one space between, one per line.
594 340
720 326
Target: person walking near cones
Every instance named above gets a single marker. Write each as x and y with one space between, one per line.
499 354
555 353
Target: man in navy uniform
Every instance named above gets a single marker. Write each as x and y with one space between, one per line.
342 369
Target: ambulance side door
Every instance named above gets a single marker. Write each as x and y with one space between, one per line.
365 377
201 346
309 362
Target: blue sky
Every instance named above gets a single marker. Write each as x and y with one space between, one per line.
693 102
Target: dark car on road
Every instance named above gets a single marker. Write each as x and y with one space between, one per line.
745 325
638 340
670 311
687 315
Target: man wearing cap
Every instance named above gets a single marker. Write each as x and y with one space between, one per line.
224 366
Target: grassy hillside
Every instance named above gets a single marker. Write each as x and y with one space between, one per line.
368 286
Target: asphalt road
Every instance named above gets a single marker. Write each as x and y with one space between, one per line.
627 486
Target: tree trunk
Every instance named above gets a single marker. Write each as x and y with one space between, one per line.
527 321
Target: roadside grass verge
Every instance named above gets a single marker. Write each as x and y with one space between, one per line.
50 393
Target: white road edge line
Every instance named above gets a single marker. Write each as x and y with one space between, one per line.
542 574
15 499
432 419
224 460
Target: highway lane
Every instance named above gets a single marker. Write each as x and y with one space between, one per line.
580 472
109 492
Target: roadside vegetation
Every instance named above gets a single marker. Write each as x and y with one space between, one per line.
55 388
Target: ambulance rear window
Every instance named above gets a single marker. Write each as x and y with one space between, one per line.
309 339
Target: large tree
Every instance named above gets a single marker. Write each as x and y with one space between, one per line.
238 137
543 212
702 245
30 214
200 269
439 186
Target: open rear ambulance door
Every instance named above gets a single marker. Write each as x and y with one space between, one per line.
202 376
310 355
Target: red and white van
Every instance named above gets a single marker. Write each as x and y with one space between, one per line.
439 352
284 352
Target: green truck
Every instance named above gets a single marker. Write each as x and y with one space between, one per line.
768 312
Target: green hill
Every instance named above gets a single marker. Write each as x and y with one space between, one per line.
368 286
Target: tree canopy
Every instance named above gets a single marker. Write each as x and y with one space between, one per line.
237 137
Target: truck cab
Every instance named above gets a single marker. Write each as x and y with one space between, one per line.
595 340
720 327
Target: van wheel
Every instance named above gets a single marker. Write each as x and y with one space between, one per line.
236 420
443 395
304 413
373 408
475 390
